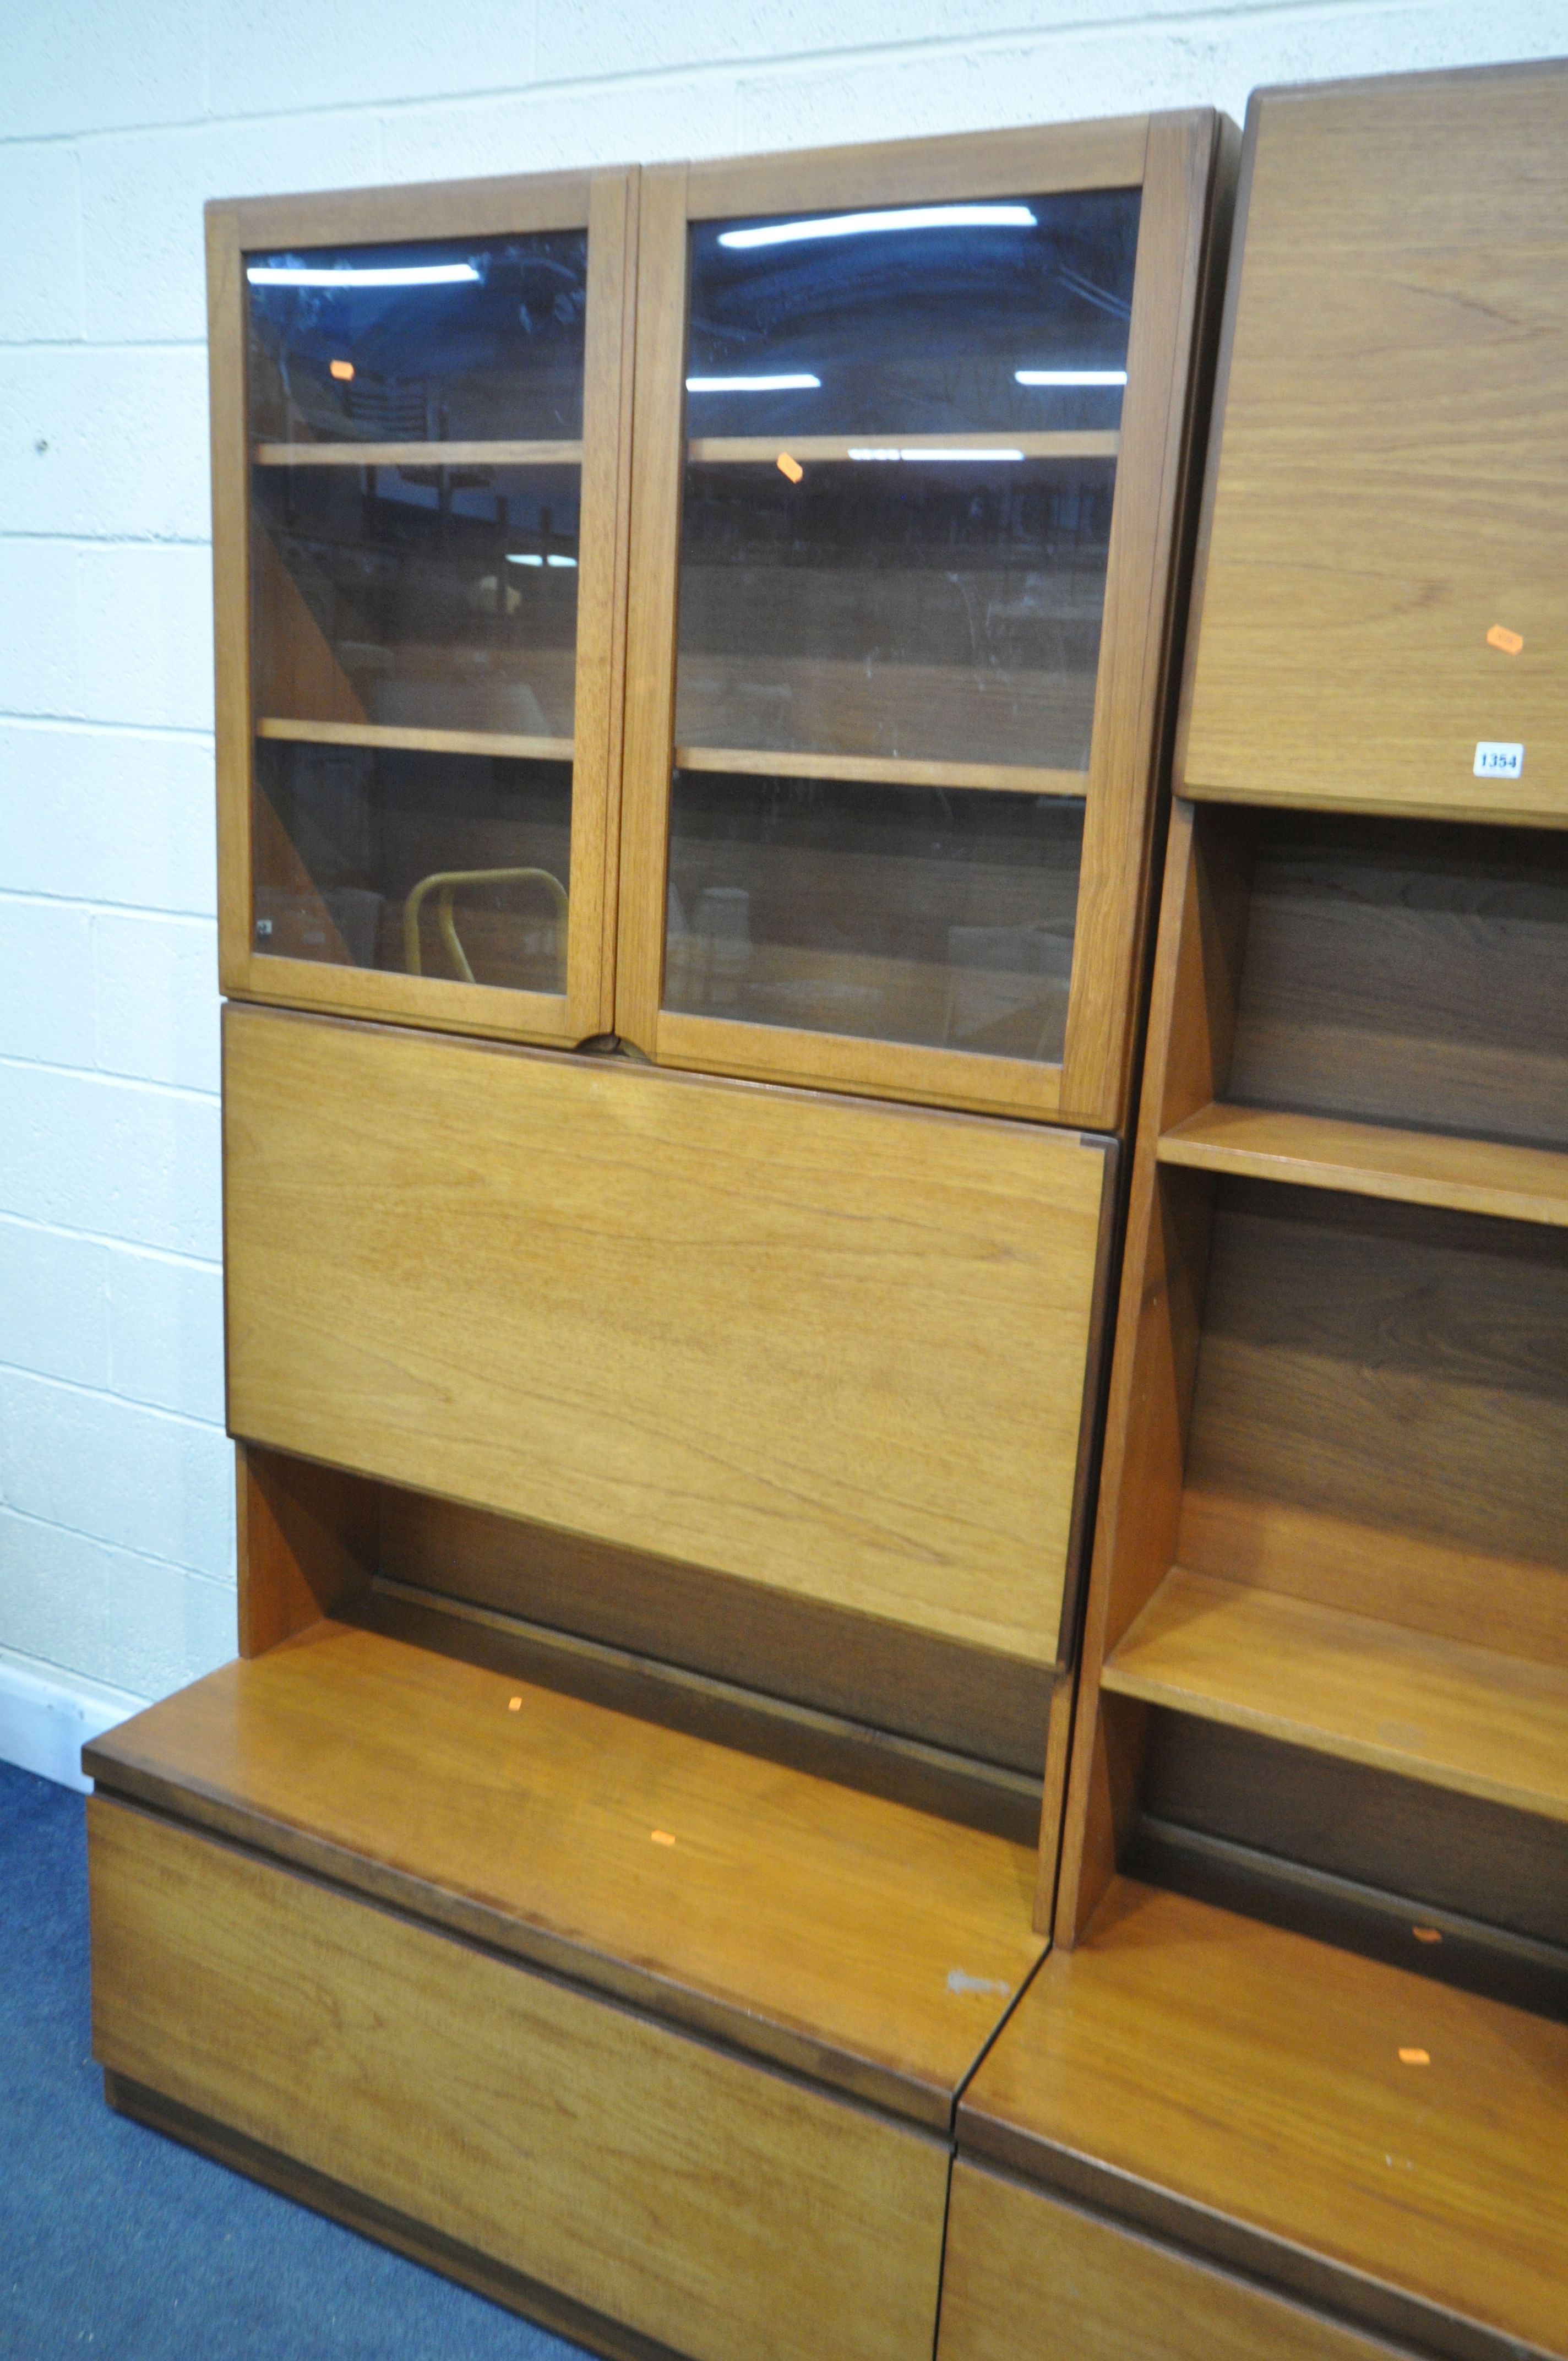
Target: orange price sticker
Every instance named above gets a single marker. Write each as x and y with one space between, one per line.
344 369
1415 2056
1499 636
1427 1934
662 1836
514 1705
793 470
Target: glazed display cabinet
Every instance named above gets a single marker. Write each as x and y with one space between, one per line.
908 431
696 675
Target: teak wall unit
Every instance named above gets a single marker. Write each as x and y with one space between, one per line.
1297 2065
662 1493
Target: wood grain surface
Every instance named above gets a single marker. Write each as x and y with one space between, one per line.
1186 191
1367 1159
1241 2086
1002 163
1014 778
494 742
1404 973
1392 474
974 1701
1028 2278
387 2224
425 454
724 2209
1380 1421
814 1343
307 1543
1403 1700
850 1938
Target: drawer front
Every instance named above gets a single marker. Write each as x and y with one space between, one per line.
1028 2278
714 2205
833 1347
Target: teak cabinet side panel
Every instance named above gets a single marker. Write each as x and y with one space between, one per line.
721 2208
1392 482
835 1347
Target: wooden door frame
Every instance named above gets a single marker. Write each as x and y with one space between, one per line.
606 204
1180 162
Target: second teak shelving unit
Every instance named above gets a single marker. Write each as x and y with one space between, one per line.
1305 2017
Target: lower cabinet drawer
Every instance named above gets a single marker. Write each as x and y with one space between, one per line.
714 2205
1031 2279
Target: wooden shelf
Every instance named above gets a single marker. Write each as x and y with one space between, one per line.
1240 2089
1414 1168
418 742
1432 1708
855 1939
883 770
417 454
762 450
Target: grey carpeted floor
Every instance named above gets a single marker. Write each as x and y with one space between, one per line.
117 2242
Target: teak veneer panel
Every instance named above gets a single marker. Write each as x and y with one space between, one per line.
1380 1420
1393 469
1368 1159
724 2209
1242 2088
819 1925
832 1347
1402 1700
1399 972
1028 2278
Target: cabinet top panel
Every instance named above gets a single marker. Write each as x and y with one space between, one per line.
1384 604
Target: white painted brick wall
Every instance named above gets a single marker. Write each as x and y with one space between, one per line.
116 124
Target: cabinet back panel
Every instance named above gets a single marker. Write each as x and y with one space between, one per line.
975 1702
1453 1852
1380 1420
1404 973
832 1347
1393 478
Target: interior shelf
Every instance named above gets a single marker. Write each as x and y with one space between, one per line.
752 450
1017 778
418 742
857 1939
418 455
1432 1709
1366 1159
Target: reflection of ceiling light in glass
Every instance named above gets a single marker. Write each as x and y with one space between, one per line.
560 561
802 384
523 557
873 454
402 274
1070 377
858 225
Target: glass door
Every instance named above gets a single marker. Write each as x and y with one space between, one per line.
893 531
433 462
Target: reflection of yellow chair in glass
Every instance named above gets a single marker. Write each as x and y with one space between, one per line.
443 884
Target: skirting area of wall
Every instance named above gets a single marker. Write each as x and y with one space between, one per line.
47 1718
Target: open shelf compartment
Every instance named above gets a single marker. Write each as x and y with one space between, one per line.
1410 1701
